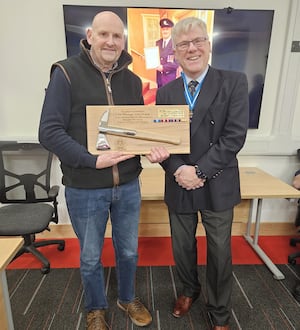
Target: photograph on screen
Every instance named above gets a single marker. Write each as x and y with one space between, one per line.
237 43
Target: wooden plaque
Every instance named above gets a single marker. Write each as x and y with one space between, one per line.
146 126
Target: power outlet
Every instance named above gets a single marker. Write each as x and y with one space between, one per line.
295 47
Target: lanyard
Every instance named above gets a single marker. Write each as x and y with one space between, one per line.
191 100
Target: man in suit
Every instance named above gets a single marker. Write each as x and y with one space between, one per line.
207 179
167 69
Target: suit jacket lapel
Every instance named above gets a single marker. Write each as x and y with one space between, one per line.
205 98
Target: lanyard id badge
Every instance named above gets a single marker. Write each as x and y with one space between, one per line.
191 99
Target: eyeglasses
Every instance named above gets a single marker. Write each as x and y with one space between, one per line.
197 42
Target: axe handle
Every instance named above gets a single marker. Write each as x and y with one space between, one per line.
149 136
157 137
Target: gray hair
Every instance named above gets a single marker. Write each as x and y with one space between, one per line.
184 25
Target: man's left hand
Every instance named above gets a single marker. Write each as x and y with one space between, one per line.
158 154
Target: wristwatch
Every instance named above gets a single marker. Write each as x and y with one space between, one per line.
199 173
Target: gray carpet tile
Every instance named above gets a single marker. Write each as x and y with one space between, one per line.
55 300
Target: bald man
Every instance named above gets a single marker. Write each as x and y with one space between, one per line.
98 186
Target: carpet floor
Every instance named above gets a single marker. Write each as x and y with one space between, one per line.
55 300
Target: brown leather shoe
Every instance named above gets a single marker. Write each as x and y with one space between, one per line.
221 327
96 320
182 306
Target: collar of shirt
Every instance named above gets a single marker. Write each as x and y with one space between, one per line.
200 78
166 41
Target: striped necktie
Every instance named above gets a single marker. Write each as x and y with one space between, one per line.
192 86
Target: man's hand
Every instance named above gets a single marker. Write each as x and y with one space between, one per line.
160 68
110 158
158 154
187 178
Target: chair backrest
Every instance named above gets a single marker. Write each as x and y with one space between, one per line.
25 170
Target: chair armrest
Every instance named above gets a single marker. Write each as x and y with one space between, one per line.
53 192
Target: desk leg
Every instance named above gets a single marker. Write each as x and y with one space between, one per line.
277 274
248 230
5 308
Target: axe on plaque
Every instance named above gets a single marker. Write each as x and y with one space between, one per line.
104 128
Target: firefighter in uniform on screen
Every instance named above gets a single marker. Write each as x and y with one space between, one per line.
167 69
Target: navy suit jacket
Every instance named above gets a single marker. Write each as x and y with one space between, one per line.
218 132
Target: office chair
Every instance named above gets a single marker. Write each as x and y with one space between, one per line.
293 241
25 185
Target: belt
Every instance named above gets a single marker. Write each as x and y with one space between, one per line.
115 173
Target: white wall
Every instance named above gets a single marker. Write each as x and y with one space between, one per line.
32 38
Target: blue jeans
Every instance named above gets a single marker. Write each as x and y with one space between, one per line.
89 210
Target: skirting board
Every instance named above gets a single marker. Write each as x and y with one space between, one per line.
163 230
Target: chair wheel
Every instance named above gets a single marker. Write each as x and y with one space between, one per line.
293 242
61 247
292 261
45 270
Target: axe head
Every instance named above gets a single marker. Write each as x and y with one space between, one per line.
102 143
104 119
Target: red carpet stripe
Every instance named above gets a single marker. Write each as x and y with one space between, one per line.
156 251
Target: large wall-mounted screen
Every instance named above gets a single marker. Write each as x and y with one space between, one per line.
240 41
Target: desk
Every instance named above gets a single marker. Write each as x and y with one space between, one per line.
256 185
8 248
